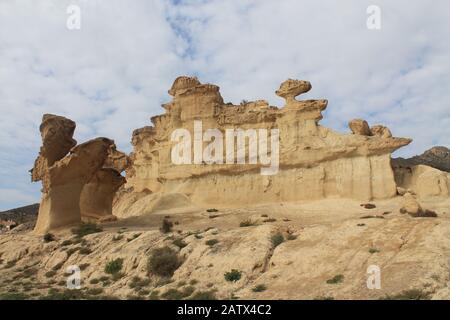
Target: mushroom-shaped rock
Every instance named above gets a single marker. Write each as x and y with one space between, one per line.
57 140
290 89
60 204
381 131
360 127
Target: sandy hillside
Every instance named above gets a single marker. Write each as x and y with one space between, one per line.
304 250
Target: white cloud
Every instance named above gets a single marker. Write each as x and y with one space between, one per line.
113 74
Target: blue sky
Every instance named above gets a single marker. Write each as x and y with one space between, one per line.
113 74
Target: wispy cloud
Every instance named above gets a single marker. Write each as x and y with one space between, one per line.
113 74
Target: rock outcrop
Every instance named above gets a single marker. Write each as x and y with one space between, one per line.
314 162
436 157
74 177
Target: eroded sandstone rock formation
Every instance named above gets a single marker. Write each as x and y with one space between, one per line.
314 162
75 180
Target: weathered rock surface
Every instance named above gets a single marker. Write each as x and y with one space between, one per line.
314 161
77 180
65 180
423 180
322 239
436 157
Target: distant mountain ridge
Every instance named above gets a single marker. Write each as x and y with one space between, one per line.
436 157
21 214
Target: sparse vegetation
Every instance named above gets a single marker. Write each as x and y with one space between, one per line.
166 226
246 223
138 283
85 229
373 250
50 273
413 294
277 239
336 279
324 298
172 294
49 237
259 288
193 282
113 267
13 296
84 266
372 217
204 295
368 206
94 281
66 243
269 220
424 214
94 291
85 250
233 275
10 264
212 210
211 242
163 262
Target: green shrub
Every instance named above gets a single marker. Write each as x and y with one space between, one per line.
211 210
259 288
94 281
114 266
48 237
85 229
163 262
233 275
211 242
277 239
166 226
336 279
373 250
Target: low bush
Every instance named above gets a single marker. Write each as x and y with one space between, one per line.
163 262
233 275
113 267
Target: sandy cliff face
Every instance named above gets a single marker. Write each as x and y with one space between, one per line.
314 162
